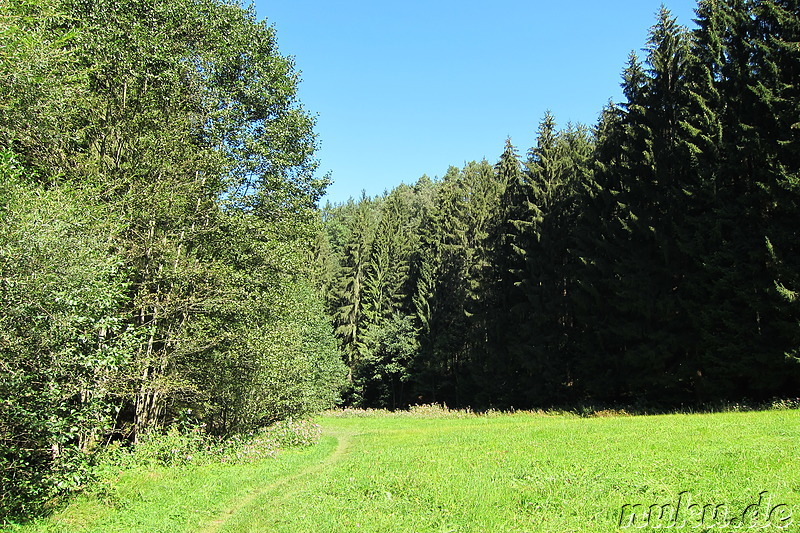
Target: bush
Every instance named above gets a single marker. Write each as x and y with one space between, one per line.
189 444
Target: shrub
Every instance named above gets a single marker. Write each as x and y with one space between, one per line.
189 444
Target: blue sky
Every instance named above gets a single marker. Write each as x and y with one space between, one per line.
402 89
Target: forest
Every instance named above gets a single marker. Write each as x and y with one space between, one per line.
157 196
163 255
651 259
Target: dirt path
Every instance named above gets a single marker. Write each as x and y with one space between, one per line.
343 441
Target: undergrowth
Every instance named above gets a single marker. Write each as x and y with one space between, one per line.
183 446
583 410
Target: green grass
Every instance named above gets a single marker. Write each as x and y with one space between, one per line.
520 472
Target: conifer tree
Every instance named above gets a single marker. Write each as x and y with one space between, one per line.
648 183
490 366
388 343
349 317
542 236
748 325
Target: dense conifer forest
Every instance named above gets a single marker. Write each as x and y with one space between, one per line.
163 257
652 258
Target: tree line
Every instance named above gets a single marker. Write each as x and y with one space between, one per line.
652 259
157 204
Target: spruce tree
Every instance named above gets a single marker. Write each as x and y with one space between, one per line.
490 366
642 267
542 235
349 316
750 322
388 342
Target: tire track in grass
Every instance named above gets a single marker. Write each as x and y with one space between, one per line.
343 442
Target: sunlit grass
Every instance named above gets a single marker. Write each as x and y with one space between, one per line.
521 472
536 473
173 499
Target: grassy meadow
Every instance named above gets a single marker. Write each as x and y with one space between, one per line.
434 471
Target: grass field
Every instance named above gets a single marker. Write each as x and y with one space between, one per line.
445 473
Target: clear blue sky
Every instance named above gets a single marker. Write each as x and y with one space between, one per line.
410 87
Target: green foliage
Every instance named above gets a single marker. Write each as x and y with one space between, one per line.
541 235
41 84
242 376
158 201
647 176
63 340
747 323
382 372
187 442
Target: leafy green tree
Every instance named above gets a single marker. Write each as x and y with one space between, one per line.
64 342
289 365
191 128
384 370
43 89
176 122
